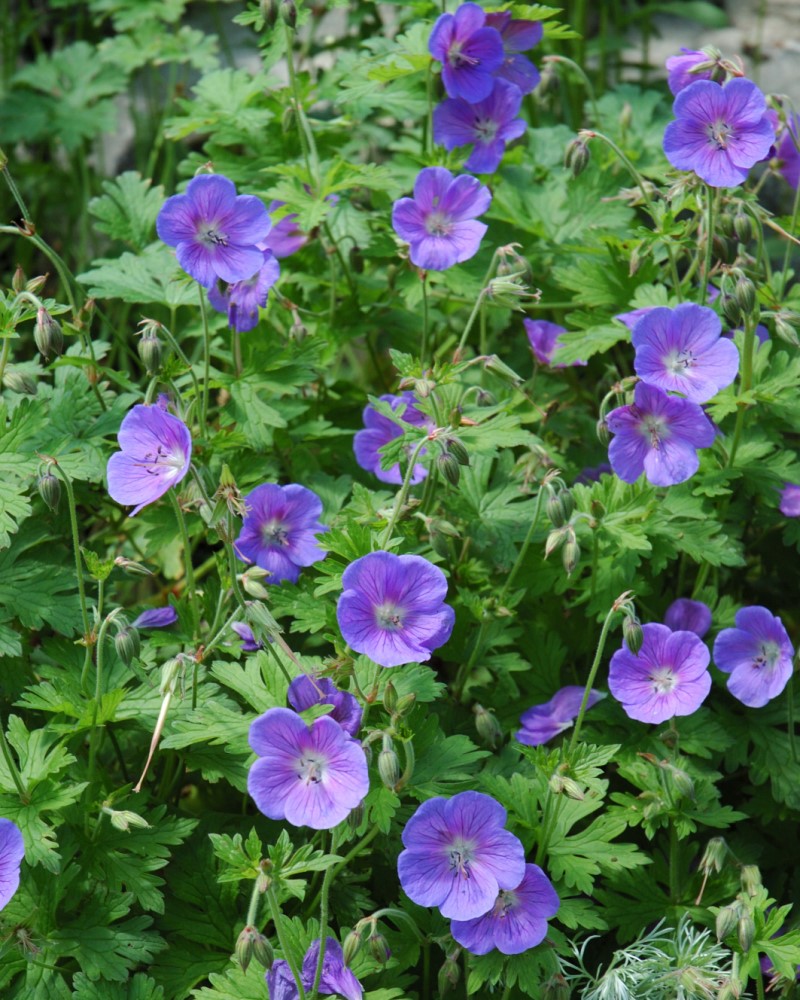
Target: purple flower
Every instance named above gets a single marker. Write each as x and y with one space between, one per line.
309 776
658 435
279 529
790 501
592 473
307 690
787 152
242 299
680 69
720 132
214 230
12 851
757 654
518 36
380 430
468 51
545 338
486 126
458 856
284 238
681 350
685 615
336 977
156 452
516 922
630 319
439 221
156 618
669 676
541 723
392 608
249 642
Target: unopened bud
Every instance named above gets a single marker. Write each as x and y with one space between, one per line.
683 783
390 698
50 490
487 725
251 581
388 763
555 539
298 330
556 988
497 367
597 509
19 382
714 855
351 947
356 817
485 398
724 250
288 13
751 879
127 645
570 555
287 125
405 704
577 157
746 929
378 948
47 334
785 330
632 633
745 293
35 285
743 227
726 224
603 434
269 11
448 976
125 819
731 309
726 920
18 280
253 945
555 510
149 348
448 466
728 992
456 417
456 448
626 116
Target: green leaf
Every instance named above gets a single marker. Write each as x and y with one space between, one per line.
128 209
141 987
146 277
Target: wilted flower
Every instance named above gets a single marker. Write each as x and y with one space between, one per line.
439 221
681 69
242 299
392 608
469 52
336 978
380 430
214 230
541 723
307 690
681 350
658 435
757 654
284 238
516 922
544 339
518 36
309 776
279 530
458 855
156 452
719 132
789 505
156 618
486 126
685 615
12 851
669 676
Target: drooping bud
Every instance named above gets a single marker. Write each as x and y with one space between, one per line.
127 645
497 367
626 116
731 309
378 947
50 490
556 988
47 334
126 819
351 946
355 817
751 879
18 280
577 156
251 581
726 224
745 293
390 698
714 855
388 763
603 434
298 330
19 382
555 539
555 510
149 348
288 13
269 11
746 929
743 226
35 285
448 466
487 725
632 633
682 781
786 331
448 977
405 704
571 555
244 947
726 920
456 448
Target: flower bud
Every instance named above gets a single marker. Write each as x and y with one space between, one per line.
35 285
149 348
714 855
287 125
556 988
50 490
253 945
269 11
388 763
497 367
19 382
47 334
570 555
626 116
356 817
251 581
457 449
745 293
288 13
751 879
448 466
632 633
726 224
18 281
456 417
577 157
743 227
448 976
726 920
555 539
390 698
487 725
126 643
125 820
683 783
746 929
351 946
785 330
378 947
724 250
555 510
298 330
405 704
485 398
731 309
603 435
262 951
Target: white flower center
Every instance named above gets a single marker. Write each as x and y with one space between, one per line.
485 129
461 854
679 362
438 224
719 133
275 532
458 58
389 616
767 655
311 768
655 428
505 902
663 680
210 234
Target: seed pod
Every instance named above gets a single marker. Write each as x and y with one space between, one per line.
19 382
47 334
149 348
378 947
745 293
632 633
448 465
50 490
127 645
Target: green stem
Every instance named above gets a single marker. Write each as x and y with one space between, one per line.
206 363
674 864
524 550
365 841
745 384
94 732
575 67
400 499
470 321
323 924
426 970
792 229
187 559
76 550
759 983
4 359
790 717
304 132
424 349
252 909
277 919
11 764
601 642
177 348
710 199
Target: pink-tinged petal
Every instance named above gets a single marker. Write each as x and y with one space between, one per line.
408 221
148 429
756 686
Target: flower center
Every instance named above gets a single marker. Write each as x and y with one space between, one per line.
461 854
719 133
211 235
458 58
505 902
654 428
438 224
679 362
156 460
311 768
767 655
389 616
485 129
274 532
663 680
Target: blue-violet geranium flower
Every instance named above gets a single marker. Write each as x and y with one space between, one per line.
686 615
469 52
757 654
380 430
336 980
486 126
518 36
242 299
541 723
12 851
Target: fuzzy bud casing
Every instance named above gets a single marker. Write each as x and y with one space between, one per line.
50 490
351 946
487 726
19 382
632 633
378 948
47 334
448 466
745 293
127 645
